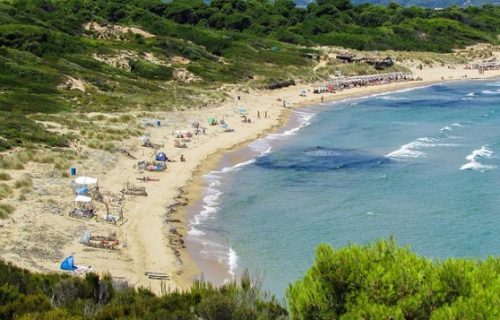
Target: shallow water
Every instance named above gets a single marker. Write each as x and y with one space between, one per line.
422 165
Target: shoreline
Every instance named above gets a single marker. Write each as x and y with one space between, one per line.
153 237
196 186
194 189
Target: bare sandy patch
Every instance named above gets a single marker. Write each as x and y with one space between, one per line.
114 32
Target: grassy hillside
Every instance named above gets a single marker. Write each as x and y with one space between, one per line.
176 54
51 63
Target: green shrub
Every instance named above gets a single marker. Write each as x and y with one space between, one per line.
98 117
5 191
37 40
24 293
5 210
18 130
5 176
382 280
61 164
25 155
26 102
125 118
148 70
11 162
24 182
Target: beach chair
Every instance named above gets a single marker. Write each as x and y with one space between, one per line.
130 189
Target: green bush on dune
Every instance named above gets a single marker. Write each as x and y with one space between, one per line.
150 70
385 281
18 130
58 296
37 40
5 210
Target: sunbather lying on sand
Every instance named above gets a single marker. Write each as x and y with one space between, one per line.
148 179
178 144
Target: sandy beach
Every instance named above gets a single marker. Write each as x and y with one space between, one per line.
152 237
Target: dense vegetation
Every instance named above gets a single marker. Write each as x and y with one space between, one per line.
384 281
43 43
338 22
431 3
378 281
57 296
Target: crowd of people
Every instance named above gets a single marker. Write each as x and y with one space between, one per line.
483 66
366 80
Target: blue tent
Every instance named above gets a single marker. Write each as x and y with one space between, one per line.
161 156
68 264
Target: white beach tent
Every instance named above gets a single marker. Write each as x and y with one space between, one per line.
86 181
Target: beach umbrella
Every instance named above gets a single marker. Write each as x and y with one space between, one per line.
85 180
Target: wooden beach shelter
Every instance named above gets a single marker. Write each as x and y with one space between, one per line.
83 207
85 186
82 199
83 202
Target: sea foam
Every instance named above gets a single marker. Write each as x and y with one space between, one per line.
414 148
209 205
264 146
195 232
491 92
474 164
232 261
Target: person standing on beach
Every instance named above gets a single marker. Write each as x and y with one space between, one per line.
265 114
258 114
321 99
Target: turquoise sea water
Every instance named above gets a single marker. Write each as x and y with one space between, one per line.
422 165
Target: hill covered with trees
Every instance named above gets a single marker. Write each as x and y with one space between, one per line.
339 22
376 281
50 47
431 3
